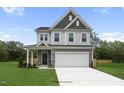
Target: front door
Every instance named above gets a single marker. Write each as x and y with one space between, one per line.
44 59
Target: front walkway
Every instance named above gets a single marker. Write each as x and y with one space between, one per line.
86 77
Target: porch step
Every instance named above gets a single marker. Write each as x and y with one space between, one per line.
43 67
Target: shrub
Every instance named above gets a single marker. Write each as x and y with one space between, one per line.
21 64
29 65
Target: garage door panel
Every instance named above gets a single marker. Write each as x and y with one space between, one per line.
71 59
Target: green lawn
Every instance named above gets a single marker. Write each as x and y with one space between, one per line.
115 69
12 75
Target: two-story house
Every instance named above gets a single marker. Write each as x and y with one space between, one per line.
65 44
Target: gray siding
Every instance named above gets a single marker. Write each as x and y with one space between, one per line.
64 38
44 32
77 38
81 26
61 40
64 22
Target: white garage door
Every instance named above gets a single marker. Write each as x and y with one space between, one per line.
71 59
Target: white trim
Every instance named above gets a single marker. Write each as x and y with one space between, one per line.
86 37
81 20
70 17
68 37
44 37
62 17
47 37
27 62
58 47
40 36
84 22
31 58
77 23
65 38
71 52
54 37
92 54
39 43
71 22
42 42
85 30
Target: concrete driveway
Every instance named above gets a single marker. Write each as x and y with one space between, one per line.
86 77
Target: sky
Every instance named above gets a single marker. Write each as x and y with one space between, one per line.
19 23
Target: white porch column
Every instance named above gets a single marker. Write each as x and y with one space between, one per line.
32 58
27 57
92 54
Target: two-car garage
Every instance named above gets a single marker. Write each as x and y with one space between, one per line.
71 59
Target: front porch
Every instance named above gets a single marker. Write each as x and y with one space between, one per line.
38 58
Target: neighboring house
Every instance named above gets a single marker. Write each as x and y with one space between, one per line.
66 43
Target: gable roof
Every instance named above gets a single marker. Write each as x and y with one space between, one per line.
65 24
72 25
42 43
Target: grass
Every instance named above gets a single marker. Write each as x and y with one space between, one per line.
115 69
12 75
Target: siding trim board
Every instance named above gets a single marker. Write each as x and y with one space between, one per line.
71 22
69 29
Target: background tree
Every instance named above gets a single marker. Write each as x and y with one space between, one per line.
94 39
11 50
3 52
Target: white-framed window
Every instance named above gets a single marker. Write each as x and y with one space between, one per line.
70 17
77 23
46 37
56 37
71 37
84 37
41 37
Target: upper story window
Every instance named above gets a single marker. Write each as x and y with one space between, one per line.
71 37
46 37
70 17
41 37
77 23
56 37
84 37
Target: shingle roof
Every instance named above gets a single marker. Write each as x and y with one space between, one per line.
42 28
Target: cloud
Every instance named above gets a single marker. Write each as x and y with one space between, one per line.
22 34
103 10
112 36
7 37
14 10
122 8
20 28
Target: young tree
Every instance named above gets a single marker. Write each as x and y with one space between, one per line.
15 50
94 39
3 52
